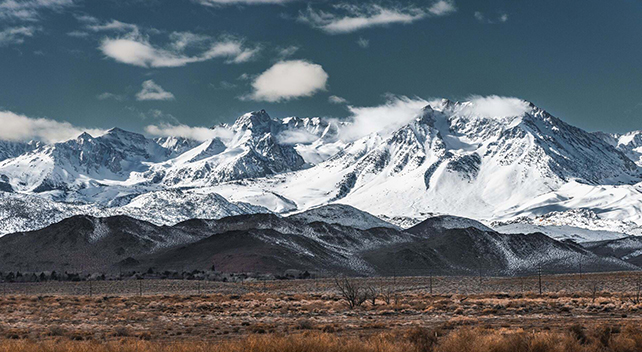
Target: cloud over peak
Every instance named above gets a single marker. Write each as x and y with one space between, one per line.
17 127
200 134
152 91
351 18
287 80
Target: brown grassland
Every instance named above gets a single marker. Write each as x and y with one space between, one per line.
596 312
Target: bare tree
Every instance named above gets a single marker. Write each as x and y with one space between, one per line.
354 294
372 292
637 298
594 291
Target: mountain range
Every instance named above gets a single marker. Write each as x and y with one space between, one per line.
523 171
326 240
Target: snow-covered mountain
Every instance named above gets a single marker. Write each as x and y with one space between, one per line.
24 212
498 166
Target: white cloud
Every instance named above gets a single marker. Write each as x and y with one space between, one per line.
482 18
152 91
133 47
284 53
442 8
29 10
333 99
17 127
296 136
240 2
287 80
107 95
16 35
78 34
357 17
382 119
493 106
196 133
364 43
139 52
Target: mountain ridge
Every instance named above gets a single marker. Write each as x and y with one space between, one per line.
455 158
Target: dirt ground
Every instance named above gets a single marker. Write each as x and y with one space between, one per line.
169 310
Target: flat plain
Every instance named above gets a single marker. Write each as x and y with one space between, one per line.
165 311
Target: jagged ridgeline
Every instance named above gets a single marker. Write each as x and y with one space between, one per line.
524 171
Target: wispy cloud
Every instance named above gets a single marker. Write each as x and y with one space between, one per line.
396 112
132 45
287 80
108 96
482 18
333 99
364 43
351 18
16 127
16 35
195 133
152 91
284 53
139 52
29 10
240 2
493 106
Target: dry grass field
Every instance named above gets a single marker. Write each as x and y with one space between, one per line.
594 312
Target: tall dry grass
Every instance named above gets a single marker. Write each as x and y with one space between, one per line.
575 339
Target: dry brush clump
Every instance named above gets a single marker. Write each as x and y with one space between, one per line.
600 338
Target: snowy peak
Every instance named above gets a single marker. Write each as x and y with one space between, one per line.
343 215
177 145
259 122
10 149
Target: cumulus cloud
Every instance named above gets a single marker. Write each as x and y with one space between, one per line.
352 18
383 119
16 35
152 91
287 80
333 99
195 133
30 10
240 2
494 106
17 127
139 52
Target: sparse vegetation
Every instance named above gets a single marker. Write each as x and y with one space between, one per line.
599 339
313 315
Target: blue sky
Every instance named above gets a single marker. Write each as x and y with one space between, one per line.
136 63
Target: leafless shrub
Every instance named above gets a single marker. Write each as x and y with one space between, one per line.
354 294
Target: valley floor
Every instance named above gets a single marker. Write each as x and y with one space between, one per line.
584 312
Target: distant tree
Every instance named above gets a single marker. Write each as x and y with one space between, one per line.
10 276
